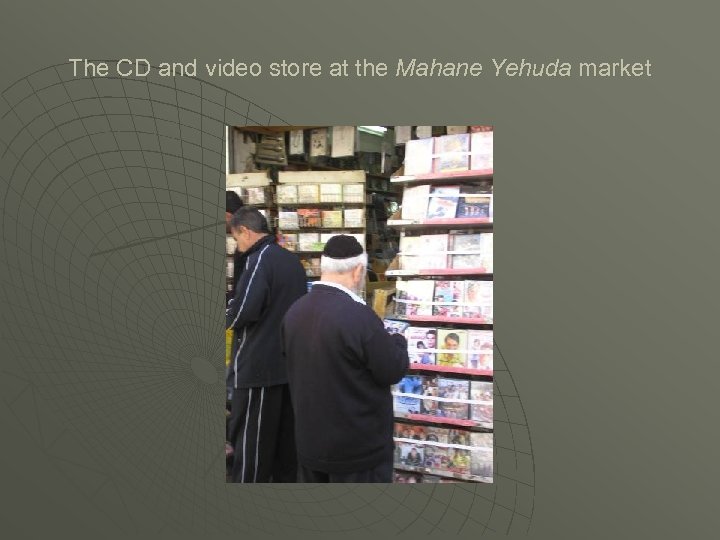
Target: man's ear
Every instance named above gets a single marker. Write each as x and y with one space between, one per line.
358 273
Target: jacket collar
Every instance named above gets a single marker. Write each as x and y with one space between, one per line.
341 288
257 246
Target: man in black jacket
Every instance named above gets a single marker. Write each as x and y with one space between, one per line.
261 426
341 363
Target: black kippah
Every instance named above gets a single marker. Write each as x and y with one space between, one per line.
342 246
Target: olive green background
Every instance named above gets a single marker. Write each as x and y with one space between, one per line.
111 265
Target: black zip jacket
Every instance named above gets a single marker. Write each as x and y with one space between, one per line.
271 280
341 364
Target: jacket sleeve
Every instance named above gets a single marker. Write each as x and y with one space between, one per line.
386 355
248 304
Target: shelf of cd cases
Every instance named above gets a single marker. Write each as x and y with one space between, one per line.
446 224
313 206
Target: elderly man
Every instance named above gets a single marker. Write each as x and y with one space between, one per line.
341 363
261 427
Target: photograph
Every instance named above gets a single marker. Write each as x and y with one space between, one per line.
315 222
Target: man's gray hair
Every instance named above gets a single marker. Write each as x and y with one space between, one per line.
247 216
341 266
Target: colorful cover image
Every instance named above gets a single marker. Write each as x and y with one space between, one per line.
407 478
309 217
421 342
453 153
332 219
459 436
288 220
437 457
459 461
474 206
480 350
395 327
436 434
448 298
453 389
481 456
308 241
481 411
443 202
410 384
289 241
429 405
451 345
411 455
478 301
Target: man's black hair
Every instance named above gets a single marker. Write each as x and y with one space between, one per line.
251 218
233 202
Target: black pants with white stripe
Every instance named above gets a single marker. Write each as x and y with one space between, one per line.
262 431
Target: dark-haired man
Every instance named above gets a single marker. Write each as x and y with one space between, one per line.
233 203
262 426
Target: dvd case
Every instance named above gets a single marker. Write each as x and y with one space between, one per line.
452 153
308 193
481 459
481 408
414 297
421 344
448 298
354 193
451 346
480 349
452 389
478 301
287 193
331 193
332 219
415 202
395 327
443 202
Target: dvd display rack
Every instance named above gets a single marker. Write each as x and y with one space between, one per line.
443 306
